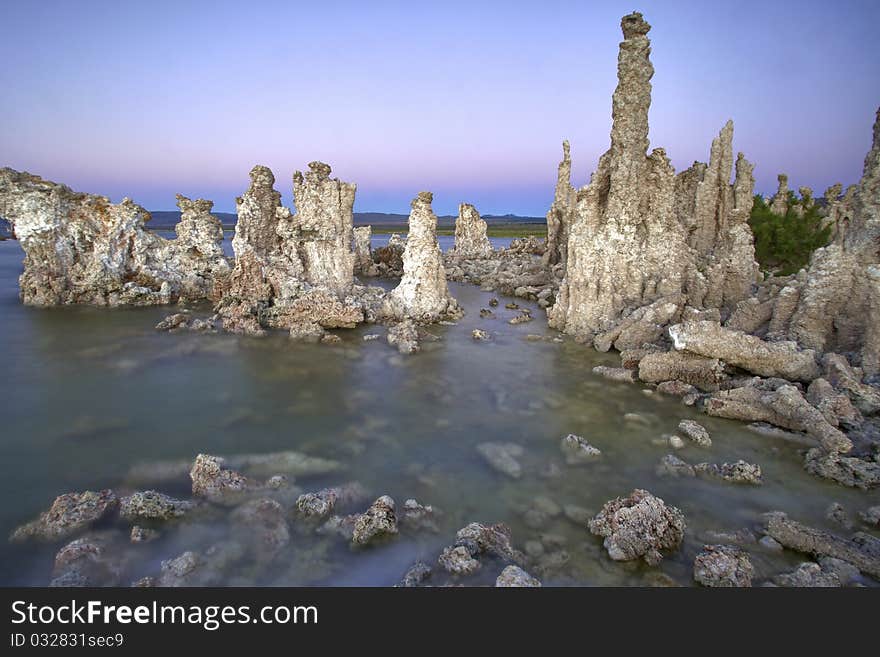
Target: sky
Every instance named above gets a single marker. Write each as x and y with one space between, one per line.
469 100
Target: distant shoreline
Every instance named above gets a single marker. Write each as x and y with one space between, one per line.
386 223
523 229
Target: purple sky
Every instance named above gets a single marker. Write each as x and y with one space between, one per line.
469 100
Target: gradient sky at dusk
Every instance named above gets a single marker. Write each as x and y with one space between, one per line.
470 100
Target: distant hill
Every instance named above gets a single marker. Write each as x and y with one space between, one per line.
167 219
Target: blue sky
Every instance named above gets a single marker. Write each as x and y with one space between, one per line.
469 100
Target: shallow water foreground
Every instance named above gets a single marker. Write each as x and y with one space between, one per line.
93 397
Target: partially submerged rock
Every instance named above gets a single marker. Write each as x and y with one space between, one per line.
307 332
69 513
851 471
152 505
711 340
325 501
690 369
738 472
419 517
639 526
293 268
405 337
515 577
723 566
672 466
458 560
810 575
83 249
862 551
86 561
696 432
214 481
578 450
415 575
783 406
619 374
489 539
380 520
422 295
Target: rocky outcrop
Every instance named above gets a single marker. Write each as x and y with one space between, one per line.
471 240
561 213
626 248
711 340
389 258
724 268
838 297
293 268
779 202
779 404
81 248
363 254
640 233
698 371
862 550
422 295
849 471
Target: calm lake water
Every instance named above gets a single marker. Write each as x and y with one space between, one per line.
90 393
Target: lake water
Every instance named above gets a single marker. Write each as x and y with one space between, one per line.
90 393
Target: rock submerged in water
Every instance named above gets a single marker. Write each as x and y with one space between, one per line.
405 337
723 566
502 457
265 523
415 575
86 561
639 526
577 450
672 466
69 513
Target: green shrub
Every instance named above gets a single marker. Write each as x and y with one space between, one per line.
784 244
